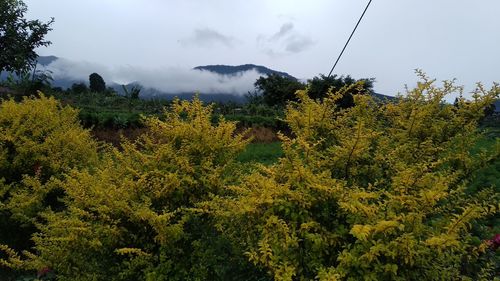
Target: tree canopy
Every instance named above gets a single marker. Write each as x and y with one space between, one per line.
277 90
320 85
96 83
19 37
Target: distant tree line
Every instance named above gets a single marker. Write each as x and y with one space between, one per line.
277 90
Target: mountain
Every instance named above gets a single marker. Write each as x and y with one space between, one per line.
382 97
46 60
227 70
234 70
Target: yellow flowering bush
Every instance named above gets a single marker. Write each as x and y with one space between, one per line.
135 216
373 192
40 141
378 191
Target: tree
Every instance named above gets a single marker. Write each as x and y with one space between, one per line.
79 88
96 82
19 37
277 90
320 85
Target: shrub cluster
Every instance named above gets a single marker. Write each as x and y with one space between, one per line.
371 192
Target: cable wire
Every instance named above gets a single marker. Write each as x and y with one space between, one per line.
352 33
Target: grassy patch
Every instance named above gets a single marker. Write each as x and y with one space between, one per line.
264 153
488 176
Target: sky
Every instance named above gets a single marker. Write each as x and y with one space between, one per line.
445 38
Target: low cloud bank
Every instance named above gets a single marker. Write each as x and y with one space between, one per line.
168 80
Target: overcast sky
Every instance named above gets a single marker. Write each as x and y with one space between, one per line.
446 38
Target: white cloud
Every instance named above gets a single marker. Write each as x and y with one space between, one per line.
67 69
167 79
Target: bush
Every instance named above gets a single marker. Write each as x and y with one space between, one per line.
135 216
371 193
39 141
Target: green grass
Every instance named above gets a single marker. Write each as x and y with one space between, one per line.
264 153
490 175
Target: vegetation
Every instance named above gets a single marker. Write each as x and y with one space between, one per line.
262 153
40 141
320 86
109 110
19 37
277 90
370 192
96 83
355 189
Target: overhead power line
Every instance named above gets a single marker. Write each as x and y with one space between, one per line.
346 43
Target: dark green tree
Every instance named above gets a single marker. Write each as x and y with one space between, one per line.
79 88
276 90
19 37
320 85
96 83
489 110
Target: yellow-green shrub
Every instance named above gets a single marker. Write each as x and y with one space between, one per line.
39 137
39 140
374 192
134 217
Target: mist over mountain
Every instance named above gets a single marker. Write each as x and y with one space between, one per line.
219 83
211 82
46 60
234 70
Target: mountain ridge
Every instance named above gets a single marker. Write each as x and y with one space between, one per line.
231 70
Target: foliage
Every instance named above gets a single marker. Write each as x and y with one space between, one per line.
79 88
27 83
277 90
109 110
40 137
19 37
370 192
96 83
373 192
135 216
263 153
116 112
319 87
39 141
133 93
